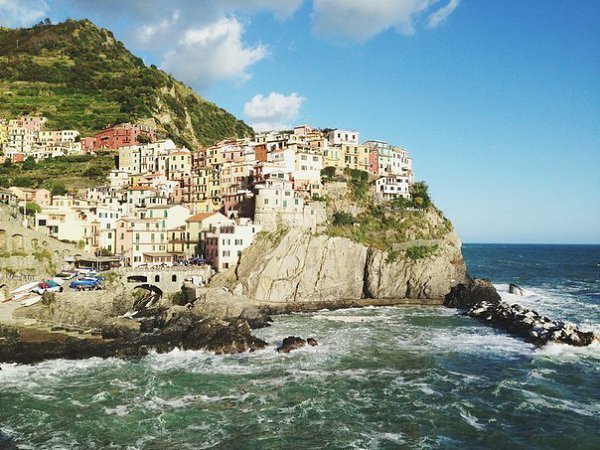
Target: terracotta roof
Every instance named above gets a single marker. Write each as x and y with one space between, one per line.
200 217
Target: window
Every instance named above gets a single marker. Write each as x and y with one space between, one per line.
174 278
157 278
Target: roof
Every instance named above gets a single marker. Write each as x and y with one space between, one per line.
200 217
141 188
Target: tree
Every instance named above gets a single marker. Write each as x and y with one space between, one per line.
420 194
343 218
58 189
94 172
328 172
144 139
104 252
29 163
23 182
31 208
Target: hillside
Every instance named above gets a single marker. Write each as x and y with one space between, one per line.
64 173
80 77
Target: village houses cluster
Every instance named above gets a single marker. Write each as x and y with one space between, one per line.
167 205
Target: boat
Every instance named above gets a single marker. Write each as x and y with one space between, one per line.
25 288
32 300
22 295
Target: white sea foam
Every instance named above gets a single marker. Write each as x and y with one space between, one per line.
375 438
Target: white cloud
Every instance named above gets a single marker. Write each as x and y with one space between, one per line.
359 20
212 53
442 14
21 13
148 32
274 111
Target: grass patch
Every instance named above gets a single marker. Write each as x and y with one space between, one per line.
421 252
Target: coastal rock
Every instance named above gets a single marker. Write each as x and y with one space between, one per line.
466 295
312 342
224 304
291 343
528 324
82 309
179 327
120 328
222 337
298 266
515 289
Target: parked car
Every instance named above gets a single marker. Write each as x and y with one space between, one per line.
85 285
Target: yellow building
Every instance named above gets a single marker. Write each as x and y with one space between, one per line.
195 229
355 156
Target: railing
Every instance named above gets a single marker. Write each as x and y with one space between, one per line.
165 269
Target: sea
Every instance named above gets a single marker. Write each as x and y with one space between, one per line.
381 378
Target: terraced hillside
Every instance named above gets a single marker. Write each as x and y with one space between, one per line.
80 77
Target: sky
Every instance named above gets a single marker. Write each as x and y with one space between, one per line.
498 102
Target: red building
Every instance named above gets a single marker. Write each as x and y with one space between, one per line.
374 160
121 135
261 152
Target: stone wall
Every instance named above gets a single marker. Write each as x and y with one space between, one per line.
27 254
309 218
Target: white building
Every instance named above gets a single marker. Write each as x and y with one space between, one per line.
338 136
392 186
224 247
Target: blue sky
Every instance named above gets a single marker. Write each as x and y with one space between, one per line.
498 102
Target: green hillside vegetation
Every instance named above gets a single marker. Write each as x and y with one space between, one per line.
384 224
80 77
59 175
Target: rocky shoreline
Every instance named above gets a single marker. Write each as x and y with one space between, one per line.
222 323
479 299
188 327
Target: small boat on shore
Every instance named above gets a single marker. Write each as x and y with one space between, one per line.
31 300
25 288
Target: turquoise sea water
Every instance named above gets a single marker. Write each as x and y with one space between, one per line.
382 378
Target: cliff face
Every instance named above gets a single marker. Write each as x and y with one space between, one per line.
297 265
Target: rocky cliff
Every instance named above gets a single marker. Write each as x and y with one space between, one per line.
297 265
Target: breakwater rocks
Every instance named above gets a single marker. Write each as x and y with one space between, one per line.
530 325
482 302
125 338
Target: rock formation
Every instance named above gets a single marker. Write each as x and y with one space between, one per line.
528 324
294 343
124 338
475 290
301 266
482 302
